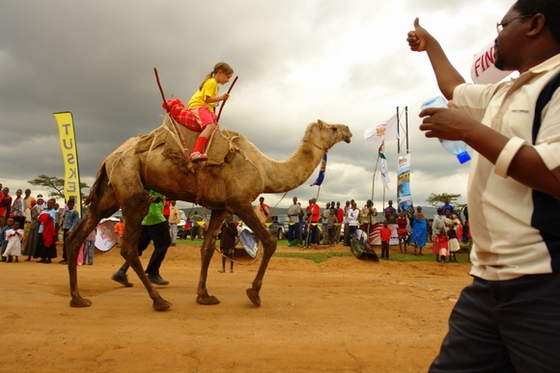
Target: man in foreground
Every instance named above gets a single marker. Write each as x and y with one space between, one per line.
508 319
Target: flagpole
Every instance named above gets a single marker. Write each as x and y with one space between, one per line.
382 144
406 126
398 154
398 132
388 130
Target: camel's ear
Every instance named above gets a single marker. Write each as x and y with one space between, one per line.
320 123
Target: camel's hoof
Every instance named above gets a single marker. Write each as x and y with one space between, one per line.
80 302
254 297
161 305
208 300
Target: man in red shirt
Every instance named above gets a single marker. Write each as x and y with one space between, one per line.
340 220
5 204
166 209
262 210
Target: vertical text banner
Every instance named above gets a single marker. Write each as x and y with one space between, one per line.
405 198
69 150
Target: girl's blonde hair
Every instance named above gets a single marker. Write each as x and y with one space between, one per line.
226 69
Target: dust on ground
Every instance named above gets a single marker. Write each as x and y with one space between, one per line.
342 315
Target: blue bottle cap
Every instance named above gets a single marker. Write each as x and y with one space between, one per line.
463 157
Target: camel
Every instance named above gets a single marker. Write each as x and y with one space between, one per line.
235 174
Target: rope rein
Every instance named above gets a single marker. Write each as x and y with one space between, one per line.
237 261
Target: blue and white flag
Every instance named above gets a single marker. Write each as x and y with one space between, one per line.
383 169
321 176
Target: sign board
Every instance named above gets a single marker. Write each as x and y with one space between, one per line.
483 70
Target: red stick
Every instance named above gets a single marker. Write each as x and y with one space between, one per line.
161 90
224 103
181 136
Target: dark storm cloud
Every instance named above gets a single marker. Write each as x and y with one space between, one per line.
297 61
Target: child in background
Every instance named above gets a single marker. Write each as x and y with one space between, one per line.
13 237
385 233
202 105
119 230
89 247
453 243
3 239
443 245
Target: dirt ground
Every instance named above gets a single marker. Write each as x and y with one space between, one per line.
342 315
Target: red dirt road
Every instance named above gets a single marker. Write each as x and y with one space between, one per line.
343 315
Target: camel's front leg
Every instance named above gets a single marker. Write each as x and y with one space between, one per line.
73 244
269 244
77 300
269 247
207 251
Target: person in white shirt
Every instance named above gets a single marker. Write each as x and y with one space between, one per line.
352 217
294 212
508 319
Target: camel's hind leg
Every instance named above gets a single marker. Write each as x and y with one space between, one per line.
206 252
102 204
74 241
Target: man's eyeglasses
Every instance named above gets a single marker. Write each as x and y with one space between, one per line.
500 25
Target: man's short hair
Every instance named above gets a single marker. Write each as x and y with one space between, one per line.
550 9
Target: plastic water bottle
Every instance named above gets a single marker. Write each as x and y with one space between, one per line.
459 148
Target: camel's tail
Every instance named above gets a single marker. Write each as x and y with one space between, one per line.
101 182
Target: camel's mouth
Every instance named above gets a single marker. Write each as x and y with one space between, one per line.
347 135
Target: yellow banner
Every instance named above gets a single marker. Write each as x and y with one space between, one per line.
69 150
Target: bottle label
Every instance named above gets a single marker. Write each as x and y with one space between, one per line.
459 148
436 102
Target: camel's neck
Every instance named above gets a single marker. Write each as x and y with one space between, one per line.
283 176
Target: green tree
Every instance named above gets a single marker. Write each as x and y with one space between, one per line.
55 185
437 200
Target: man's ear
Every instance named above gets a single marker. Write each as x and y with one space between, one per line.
536 24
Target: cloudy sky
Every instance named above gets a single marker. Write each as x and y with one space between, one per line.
341 61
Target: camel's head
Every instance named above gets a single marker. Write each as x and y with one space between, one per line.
327 134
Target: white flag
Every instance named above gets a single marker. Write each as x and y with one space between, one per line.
387 131
383 169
